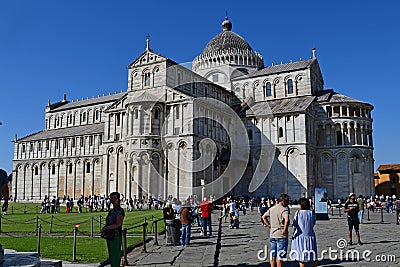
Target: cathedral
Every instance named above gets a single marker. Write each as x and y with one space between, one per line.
229 125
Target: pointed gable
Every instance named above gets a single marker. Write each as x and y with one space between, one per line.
146 58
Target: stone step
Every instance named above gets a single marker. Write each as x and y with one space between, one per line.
23 259
50 263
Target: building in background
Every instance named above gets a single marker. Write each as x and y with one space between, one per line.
153 138
387 180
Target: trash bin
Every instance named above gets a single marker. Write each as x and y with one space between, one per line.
173 232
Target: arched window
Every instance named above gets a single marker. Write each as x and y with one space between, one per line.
136 114
176 112
290 86
70 168
280 133
97 115
84 117
156 113
268 91
53 169
87 167
36 170
339 137
118 119
146 81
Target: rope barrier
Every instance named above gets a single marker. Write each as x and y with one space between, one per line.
15 222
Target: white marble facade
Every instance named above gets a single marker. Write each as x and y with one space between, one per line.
175 131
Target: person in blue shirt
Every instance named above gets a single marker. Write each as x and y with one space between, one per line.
4 189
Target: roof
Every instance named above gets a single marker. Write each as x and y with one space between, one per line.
144 97
227 40
278 106
96 128
303 64
333 97
90 101
389 167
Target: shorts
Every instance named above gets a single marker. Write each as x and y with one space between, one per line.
353 222
279 247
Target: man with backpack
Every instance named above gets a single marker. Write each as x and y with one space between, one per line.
186 220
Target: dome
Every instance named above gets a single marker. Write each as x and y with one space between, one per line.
227 48
227 40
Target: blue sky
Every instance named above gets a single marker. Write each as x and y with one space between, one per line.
82 48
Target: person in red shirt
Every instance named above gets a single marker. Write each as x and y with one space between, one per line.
206 209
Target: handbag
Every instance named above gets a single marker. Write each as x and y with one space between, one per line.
295 223
108 234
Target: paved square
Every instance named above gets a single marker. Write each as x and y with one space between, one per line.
241 247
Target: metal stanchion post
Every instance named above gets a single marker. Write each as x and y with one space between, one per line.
340 214
144 237
382 215
368 215
39 231
125 256
155 233
74 248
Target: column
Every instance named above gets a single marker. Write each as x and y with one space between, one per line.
351 175
107 171
140 118
334 177
40 181
92 188
342 131
150 129
166 175
32 171
116 170
130 176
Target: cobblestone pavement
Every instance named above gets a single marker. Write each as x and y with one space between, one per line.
240 247
200 252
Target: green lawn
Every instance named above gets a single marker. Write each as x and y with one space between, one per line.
18 230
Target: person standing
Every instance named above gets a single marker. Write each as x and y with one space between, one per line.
351 207
304 244
361 206
278 223
186 221
262 208
396 206
4 191
168 212
114 222
206 209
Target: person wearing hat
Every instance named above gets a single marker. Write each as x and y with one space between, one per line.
351 207
4 189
